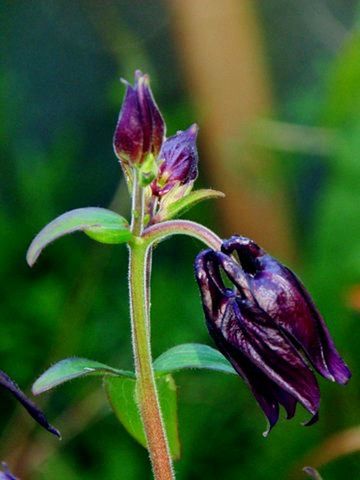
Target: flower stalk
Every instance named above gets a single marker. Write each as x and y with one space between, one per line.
161 231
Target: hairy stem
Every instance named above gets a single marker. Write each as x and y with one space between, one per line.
163 230
139 287
146 389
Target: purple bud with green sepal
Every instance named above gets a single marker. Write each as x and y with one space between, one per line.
140 128
178 162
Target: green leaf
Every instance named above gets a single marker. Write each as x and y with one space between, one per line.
168 400
71 368
100 224
192 355
148 170
183 204
121 393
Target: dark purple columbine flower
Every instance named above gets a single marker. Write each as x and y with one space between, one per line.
178 162
245 330
7 383
140 128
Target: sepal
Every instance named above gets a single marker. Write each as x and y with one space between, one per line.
140 129
148 170
178 161
172 206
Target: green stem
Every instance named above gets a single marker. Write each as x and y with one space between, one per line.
139 283
163 230
146 387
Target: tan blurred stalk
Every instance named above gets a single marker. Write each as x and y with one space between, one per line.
223 59
338 445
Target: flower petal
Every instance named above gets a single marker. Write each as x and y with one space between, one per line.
212 288
140 128
267 393
33 410
249 329
154 125
128 137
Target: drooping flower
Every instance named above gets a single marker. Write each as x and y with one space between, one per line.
281 294
244 329
178 162
140 128
7 383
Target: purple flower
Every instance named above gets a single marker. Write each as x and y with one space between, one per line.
178 162
247 323
7 383
140 128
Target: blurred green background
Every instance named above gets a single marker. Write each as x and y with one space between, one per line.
275 87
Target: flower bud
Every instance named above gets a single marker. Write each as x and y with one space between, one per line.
178 162
140 128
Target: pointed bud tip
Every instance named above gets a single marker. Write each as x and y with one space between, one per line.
141 78
138 74
55 432
194 129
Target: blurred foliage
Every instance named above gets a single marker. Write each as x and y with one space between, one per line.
59 96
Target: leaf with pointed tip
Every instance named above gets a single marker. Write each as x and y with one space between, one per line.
100 224
121 393
192 355
71 368
179 207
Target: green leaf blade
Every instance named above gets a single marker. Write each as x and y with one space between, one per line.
121 393
168 401
71 368
100 224
179 207
192 355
